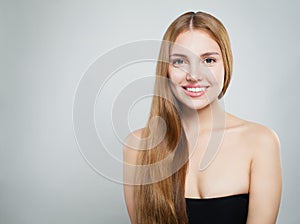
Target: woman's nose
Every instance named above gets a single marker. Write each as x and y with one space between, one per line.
196 72
190 77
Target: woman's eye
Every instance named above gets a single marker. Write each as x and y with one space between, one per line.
178 62
209 60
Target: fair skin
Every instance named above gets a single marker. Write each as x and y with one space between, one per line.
248 155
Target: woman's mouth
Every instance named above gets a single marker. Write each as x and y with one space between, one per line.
195 91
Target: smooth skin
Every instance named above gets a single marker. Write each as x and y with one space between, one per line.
248 157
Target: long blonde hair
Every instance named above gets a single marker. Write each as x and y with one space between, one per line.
163 201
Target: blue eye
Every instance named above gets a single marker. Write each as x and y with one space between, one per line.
209 60
177 61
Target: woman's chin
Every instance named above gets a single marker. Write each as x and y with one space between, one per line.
196 105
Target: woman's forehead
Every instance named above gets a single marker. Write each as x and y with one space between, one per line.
194 42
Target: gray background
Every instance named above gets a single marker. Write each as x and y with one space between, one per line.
47 46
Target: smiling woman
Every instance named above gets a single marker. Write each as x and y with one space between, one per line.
240 181
196 56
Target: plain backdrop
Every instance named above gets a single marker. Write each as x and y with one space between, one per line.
47 46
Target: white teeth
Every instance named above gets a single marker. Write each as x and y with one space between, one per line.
196 90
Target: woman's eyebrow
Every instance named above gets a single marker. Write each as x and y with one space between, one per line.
206 54
209 54
179 55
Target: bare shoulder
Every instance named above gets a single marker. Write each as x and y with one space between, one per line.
257 136
131 146
262 136
266 145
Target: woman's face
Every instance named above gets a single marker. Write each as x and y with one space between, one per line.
196 69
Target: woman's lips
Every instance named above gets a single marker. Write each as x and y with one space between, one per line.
195 91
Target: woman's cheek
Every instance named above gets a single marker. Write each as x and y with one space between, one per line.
177 76
218 76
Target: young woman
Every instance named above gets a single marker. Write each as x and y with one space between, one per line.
194 162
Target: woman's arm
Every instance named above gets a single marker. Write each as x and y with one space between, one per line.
266 180
128 188
130 160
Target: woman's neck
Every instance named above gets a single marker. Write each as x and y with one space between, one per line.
210 118
207 122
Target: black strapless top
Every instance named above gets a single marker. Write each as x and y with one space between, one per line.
231 209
